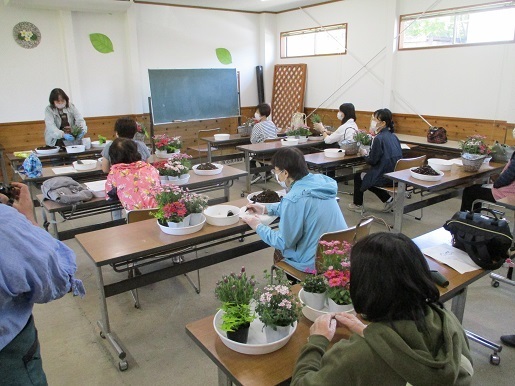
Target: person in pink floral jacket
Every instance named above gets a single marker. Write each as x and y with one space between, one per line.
135 181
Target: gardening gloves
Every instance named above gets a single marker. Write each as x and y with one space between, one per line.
68 137
258 209
81 135
252 220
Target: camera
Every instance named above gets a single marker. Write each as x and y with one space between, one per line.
9 192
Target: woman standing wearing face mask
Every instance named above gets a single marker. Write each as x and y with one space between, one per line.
308 210
60 117
347 116
384 154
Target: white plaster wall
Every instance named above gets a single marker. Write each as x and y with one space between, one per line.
173 37
28 75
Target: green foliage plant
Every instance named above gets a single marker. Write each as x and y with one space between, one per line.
236 316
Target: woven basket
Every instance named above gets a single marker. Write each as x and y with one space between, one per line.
350 147
245 131
472 162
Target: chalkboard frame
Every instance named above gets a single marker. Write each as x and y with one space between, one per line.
193 94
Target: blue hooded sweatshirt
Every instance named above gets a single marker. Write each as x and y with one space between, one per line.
306 212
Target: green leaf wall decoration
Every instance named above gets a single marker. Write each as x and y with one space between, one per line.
101 43
223 55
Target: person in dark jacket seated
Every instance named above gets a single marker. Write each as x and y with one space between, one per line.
408 338
385 151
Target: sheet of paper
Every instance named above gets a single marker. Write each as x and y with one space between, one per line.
404 146
64 170
265 219
453 257
488 186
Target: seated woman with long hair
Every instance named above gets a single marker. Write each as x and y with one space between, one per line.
408 338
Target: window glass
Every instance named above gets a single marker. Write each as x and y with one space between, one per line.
328 40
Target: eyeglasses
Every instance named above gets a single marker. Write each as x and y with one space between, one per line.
275 173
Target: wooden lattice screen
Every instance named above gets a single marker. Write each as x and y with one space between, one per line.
288 92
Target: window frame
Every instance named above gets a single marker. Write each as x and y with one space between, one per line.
455 11
282 40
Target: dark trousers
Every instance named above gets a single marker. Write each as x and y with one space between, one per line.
475 192
20 360
358 194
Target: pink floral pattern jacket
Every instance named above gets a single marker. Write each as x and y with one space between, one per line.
136 184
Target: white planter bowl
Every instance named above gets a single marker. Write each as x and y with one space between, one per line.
48 151
334 153
184 230
289 141
218 170
75 149
87 164
315 138
424 177
440 164
487 160
181 181
97 188
98 145
217 215
256 343
303 139
164 154
222 137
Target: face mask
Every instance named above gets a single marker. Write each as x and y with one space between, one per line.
282 183
340 115
373 125
257 116
60 106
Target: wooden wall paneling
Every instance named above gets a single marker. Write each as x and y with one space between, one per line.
288 92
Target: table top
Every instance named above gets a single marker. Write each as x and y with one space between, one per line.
277 367
141 238
59 155
418 140
451 178
320 159
228 173
48 172
266 147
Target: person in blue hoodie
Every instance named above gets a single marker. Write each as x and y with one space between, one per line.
308 210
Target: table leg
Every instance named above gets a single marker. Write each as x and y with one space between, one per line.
247 168
458 304
398 212
32 188
208 151
223 379
105 327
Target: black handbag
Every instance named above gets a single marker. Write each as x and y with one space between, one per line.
436 135
486 239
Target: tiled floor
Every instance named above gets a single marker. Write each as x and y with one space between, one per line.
160 352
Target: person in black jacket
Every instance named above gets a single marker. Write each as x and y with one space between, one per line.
385 151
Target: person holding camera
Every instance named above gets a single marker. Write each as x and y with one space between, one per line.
61 117
34 268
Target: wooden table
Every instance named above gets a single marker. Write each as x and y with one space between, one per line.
449 146
444 189
138 243
263 148
234 139
277 367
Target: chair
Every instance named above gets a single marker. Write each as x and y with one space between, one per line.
265 159
403 164
202 148
142 215
350 235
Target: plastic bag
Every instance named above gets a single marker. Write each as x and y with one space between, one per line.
32 166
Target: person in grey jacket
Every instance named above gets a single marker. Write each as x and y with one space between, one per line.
60 118
385 151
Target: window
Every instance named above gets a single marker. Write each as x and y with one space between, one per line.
488 23
327 40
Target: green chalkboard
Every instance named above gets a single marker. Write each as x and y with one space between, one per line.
191 94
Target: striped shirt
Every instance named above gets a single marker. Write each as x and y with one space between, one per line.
263 130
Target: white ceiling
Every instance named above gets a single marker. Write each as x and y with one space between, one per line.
122 5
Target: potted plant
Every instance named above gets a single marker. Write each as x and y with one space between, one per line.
166 146
316 120
473 151
363 138
171 207
334 262
277 307
314 290
301 133
195 205
163 171
236 291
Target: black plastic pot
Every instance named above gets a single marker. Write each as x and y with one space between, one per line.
240 335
